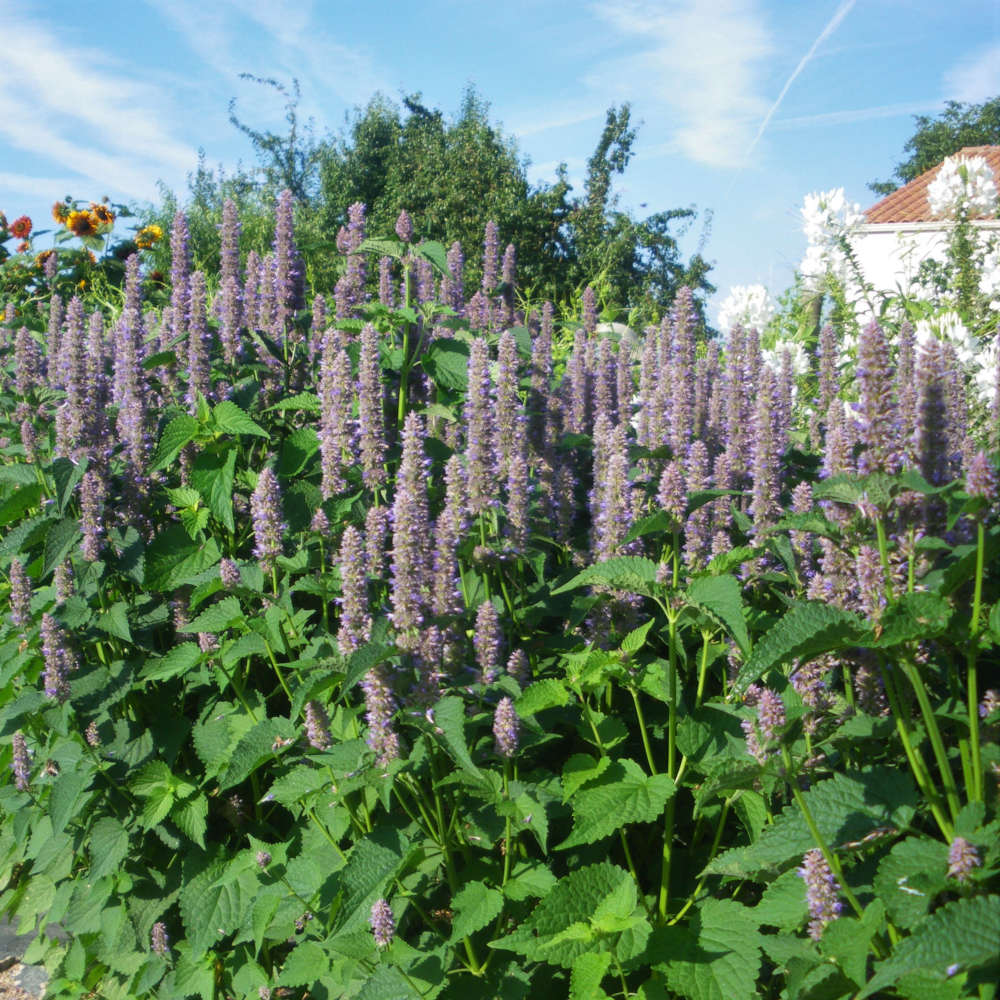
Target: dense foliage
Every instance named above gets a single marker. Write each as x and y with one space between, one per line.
958 126
369 648
453 175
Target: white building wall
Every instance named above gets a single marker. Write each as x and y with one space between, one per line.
890 254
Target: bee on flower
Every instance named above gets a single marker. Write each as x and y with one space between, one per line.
148 236
21 228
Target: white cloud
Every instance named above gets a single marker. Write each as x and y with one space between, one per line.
976 79
90 115
700 60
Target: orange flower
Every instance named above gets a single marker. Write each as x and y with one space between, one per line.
147 236
60 212
102 213
23 247
82 223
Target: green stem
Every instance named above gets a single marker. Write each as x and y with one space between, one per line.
711 856
977 791
920 772
642 730
883 553
703 668
668 825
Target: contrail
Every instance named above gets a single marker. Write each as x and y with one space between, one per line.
842 11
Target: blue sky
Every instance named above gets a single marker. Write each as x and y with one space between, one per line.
745 105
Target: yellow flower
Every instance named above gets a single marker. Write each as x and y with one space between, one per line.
147 236
102 213
82 223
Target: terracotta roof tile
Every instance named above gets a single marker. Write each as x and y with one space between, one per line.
909 203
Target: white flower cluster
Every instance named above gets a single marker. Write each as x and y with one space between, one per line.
748 306
774 357
979 361
827 219
963 186
989 281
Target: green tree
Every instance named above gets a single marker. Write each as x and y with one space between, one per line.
959 125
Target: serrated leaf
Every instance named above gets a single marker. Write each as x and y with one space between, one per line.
920 615
636 639
558 930
588 973
623 794
66 475
475 906
963 934
807 630
719 957
722 597
229 418
114 621
376 858
449 717
179 432
434 252
153 775
533 882
387 983
579 769
296 450
107 845
543 694
157 805
845 807
217 617
191 817
300 782
306 963
909 877
177 661
447 363
59 542
66 792
307 401
213 476
16 504
633 574
783 902
254 748
211 907
174 559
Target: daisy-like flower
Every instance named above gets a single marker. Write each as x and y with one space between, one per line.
60 212
148 236
82 223
21 228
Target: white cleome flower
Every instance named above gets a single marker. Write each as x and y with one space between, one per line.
984 378
948 326
774 357
827 219
749 306
989 281
963 185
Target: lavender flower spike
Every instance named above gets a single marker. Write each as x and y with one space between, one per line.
265 511
962 858
383 924
58 660
506 728
317 726
488 642
20 594
159 941
821 892
21 761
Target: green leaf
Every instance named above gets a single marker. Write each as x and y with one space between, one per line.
212 907
475 906
447 363
588 973
191 816
177 661
382 247
534 881
434 252
963 933
376 859
59 541
65 475
449 717
296 450
306 401
299 783
803 633
213 475
254 748
543 694
179 432
920 615
230 419
722 598
719 958
114 621
158 803
174 559
651 524
623 794
783 902
66 792
108 847
630 573
845 807
307 962
579 769
217 617
16 504
909 877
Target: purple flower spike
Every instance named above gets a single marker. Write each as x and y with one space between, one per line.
355 620
981 478
506 728
159 941
265 512
317 726
93 492
488 642
962 858
380 705
371 424
59 661
21 761
672 495
821 892
589 306
404 226
20 594
383 924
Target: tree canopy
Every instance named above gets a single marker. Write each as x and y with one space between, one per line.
935 138
453 174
